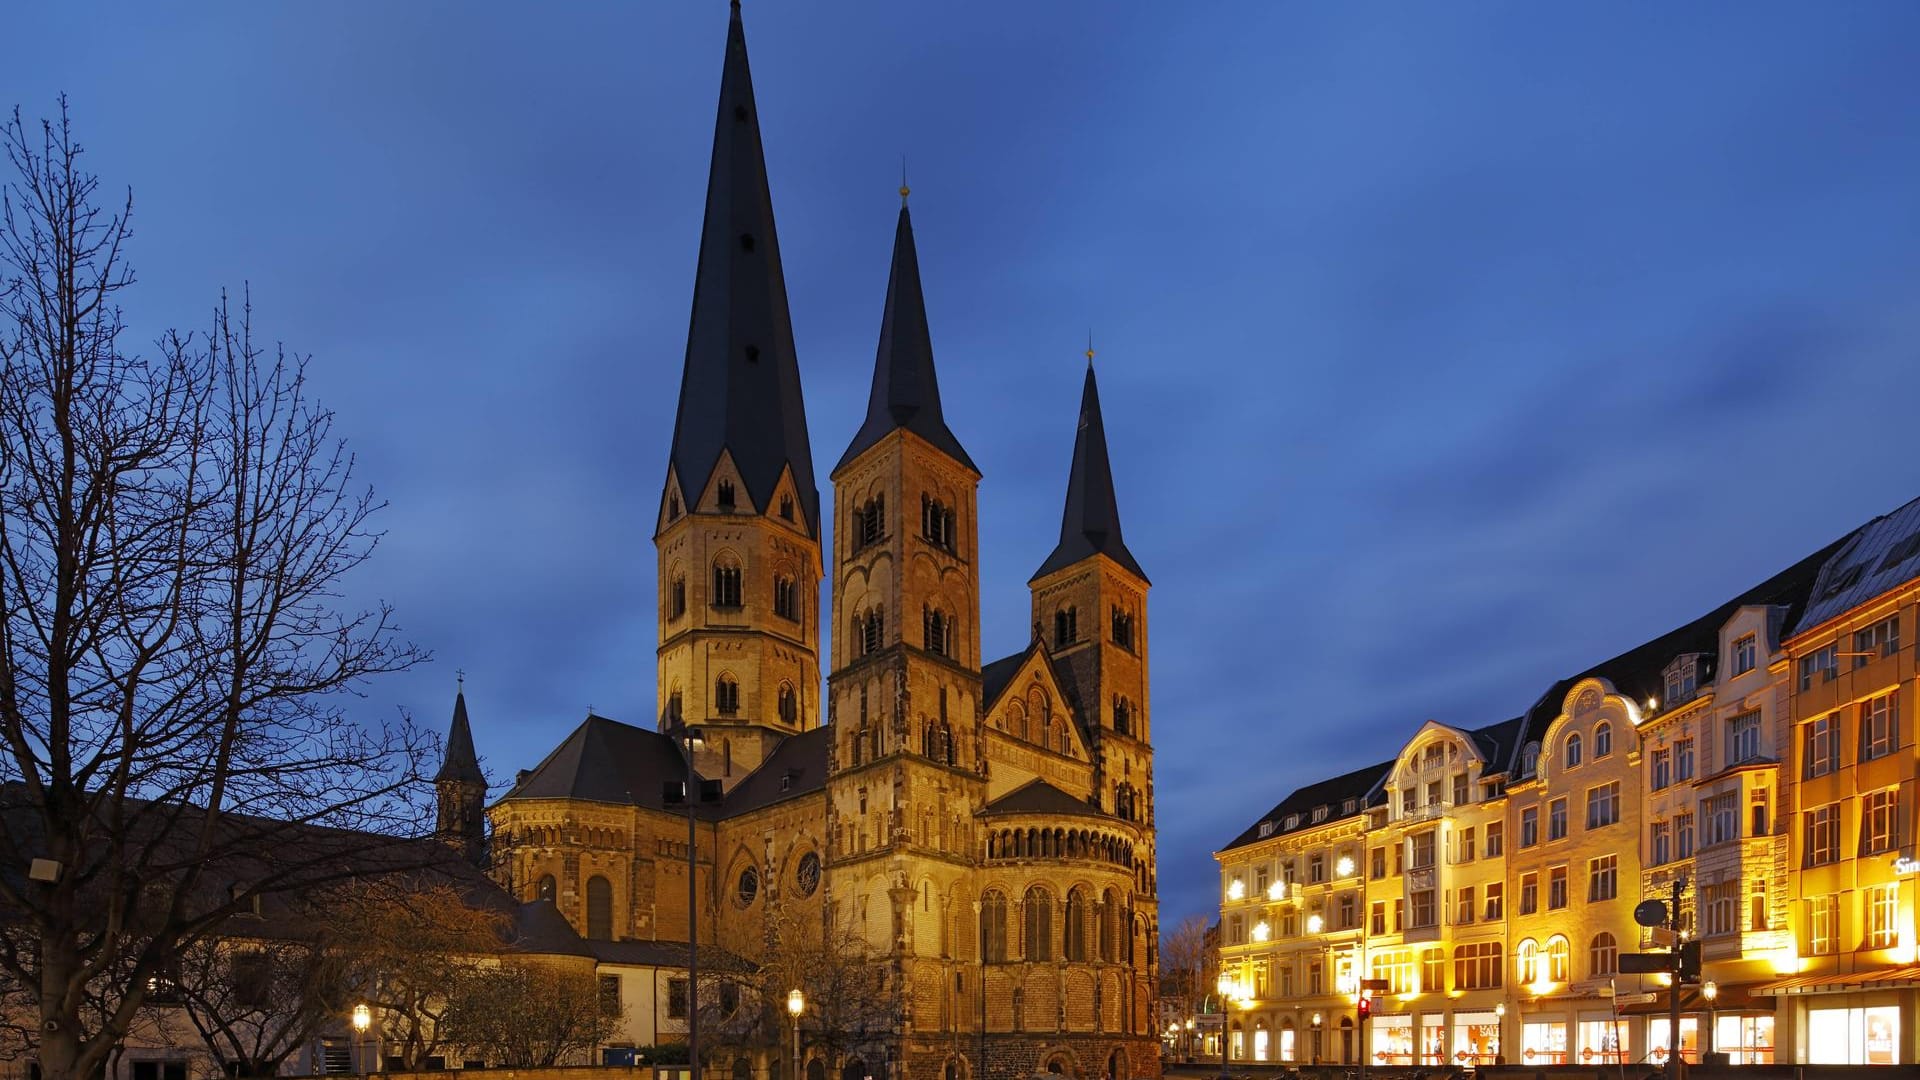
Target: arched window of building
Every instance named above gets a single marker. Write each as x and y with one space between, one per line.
724 495
786 598
1066 626
870 522
726 582
675 708
1557 957
1113 925
726 696
1604 956
599 908
1530 759
993 927
789 705
1526 962
873 631
1573 750
1122 716
1039 924
1077 925
1602 740
935 630
547 889
677 596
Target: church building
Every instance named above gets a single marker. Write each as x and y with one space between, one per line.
981 828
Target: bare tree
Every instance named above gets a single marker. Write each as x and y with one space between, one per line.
174 654
406 948
850 1004
256 1001
528 1013
1183 963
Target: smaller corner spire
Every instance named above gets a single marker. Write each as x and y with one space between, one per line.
1090 522
461 763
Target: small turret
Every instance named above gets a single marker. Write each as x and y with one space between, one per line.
462 788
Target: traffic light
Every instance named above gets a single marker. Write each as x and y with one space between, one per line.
1689 962
1366 1008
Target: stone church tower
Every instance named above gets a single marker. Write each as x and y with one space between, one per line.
738 534
981 831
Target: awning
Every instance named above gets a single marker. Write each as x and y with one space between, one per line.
1883 979
1731 999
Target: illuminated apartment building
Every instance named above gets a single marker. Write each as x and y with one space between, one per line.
1762 754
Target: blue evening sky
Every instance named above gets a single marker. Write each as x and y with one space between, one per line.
1445 348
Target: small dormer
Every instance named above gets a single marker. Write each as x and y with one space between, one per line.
1684 677
1319 814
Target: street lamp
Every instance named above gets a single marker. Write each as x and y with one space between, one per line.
796 1004
1316 1038
1499 1029
362 1019
1711 991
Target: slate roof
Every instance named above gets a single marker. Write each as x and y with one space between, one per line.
1040 797
995 676
1879 556
461 763
606 761
1090 523
538 927
1638 673
906 393
798 766
740 389
1361 785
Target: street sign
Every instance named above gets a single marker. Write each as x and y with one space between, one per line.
1660 935
1650 913
1377 985
1641 963
1647 998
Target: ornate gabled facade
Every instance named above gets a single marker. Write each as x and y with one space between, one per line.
983 829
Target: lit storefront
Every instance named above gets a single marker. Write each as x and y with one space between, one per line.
1543 1041
1868 1035
1433 1039
1476 1038
1392 1040
1603 1039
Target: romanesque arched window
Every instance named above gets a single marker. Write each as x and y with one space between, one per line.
1066 626
786 598
993 927
873 631
599 908
870 522
547 889
1038 941
726 582
1113 925
1122 715
936 630
1077 925
1122 628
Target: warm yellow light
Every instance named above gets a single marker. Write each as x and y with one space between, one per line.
1277 891
1345 866
796 1002
1500 1009
1236 889
1710 989
362 1017
1261 931
1542 987
1316 1019
1653 704
1314 923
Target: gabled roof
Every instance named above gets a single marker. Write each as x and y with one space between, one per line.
998 676
740 388
538 927
1090 523
1880 555
995 676
1360 785
461 763
665 954
606 761
798 766
1040 797
906 393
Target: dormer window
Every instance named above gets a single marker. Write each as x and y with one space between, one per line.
1319 814
1745 654
1530 759
724 495
673 507
1266 829
1293 822
1348 806
1682 679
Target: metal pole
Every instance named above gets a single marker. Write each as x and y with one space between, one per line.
693 918
1675 1066
796 1048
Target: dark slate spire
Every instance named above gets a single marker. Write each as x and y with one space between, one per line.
461 763
1091 523
905 392
740 390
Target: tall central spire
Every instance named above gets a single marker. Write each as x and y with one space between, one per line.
740 390
1091 522
905 394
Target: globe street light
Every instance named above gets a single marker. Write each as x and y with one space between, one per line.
1499 1029
1711 991
362 1019
796 1004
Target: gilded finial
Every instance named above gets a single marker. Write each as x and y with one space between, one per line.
1089 348
904 189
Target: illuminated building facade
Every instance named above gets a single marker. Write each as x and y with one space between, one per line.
1762 753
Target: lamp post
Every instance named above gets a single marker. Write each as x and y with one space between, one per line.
362 1019
1499 1031
796 1004
1316 1038
1189 1038
690 739
1711 991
